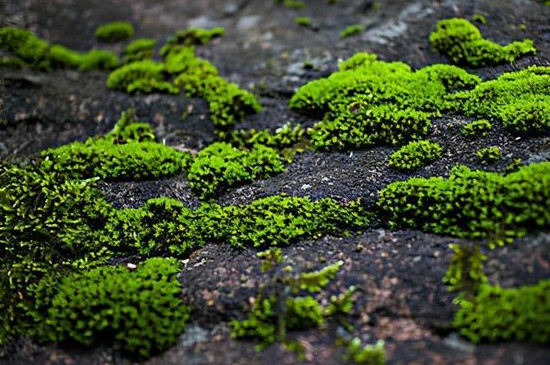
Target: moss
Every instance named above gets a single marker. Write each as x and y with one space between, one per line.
220 166
128 152
39 54
479 18
138 50
192 37
114 31
497 314
488 155
352 30
465 274
365 354
11 62
141 77
415 155
463 43
292 4
303 21
472 204
139 311
477 129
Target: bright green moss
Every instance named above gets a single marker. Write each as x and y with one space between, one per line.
497 314
478 128
95 59
520 100
292 4
128 152
114 31
25 45
488 155
220 166
415 155
303 21
472 204
463 43
282 220
37 53
284 137
352 30
141 77
365 354
138 50
140 312
480 18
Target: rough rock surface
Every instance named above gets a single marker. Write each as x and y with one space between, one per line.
398 273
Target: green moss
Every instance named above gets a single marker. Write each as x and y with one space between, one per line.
220 166
415 155
282 220
11 62
114 31
37 53
192 37
139 311
465 274
303 21
352 30
488 155
497 314
472 204
477 129
463 43
141 77
128 152
138 50
292 4
365 354
479 18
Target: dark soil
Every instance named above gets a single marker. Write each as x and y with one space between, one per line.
400 296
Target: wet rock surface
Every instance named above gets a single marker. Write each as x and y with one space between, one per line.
398 273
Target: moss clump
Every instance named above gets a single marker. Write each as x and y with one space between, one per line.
114 31
129 152
478 128
520 100
139 50
221 165
472 204
365 354
292 4
192 37
140 312
39 54
141 77
352 30
463 43
497 314
415 155
488 155
282 220
370 102
303 21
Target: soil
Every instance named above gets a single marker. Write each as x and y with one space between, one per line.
400 297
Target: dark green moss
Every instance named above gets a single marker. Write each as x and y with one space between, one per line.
114 31
463 43
221 165
140 312
415 155
472 204
488 155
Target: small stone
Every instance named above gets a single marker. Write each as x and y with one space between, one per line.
131 266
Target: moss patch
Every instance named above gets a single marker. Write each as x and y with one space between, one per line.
463 43
415 155
114 31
